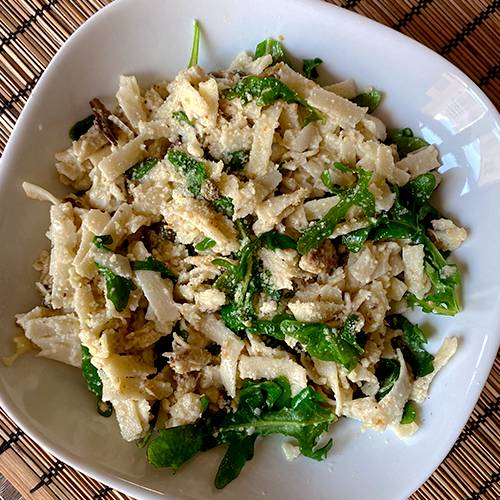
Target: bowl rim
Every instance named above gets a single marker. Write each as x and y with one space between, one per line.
141 491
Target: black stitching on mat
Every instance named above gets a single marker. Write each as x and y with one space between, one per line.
13 438
471 428
24 92
414 11
27 23
469 28
350 4
490 75
48 476
102 494
486 486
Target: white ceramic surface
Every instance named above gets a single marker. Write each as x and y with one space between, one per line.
152 38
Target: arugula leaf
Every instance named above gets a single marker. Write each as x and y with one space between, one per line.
141 169
420 189
358 195
264 408
309 67
406 220
151 264
326 179
196 44
412 343
237 454
238 159
370 100
405 141
102 241
90 373
266 90
181 117
387 372
193 170
204 403
323 342
272 47
302 417
272 327
273 240
80 127
239 281
348 332
94 382
176 445
233 318
205 244
409 413
445 278
355 240
224 205
343 168
118 288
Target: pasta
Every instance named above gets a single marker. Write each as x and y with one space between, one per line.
245 225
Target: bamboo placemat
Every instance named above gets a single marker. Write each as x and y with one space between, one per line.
464 31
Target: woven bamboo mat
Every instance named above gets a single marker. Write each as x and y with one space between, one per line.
464 31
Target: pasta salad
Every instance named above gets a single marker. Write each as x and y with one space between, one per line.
236 258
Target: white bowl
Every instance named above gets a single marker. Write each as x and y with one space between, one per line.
152 38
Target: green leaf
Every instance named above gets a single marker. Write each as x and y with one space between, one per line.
348 332
326 179
355 240
323 342
272 47
264 408
407 219
141 169
271 328
205 244
151 264
238 159
94 383
370 100
102 241
118 288
412 343
79 128
203 404
409 413
358 195
303 418
405 141
421 188
176 445
181 117
90 373
237 454
196 44
309 67
342 168
233 318
193 170
266 90
263 282
387 373
273 240
224 206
